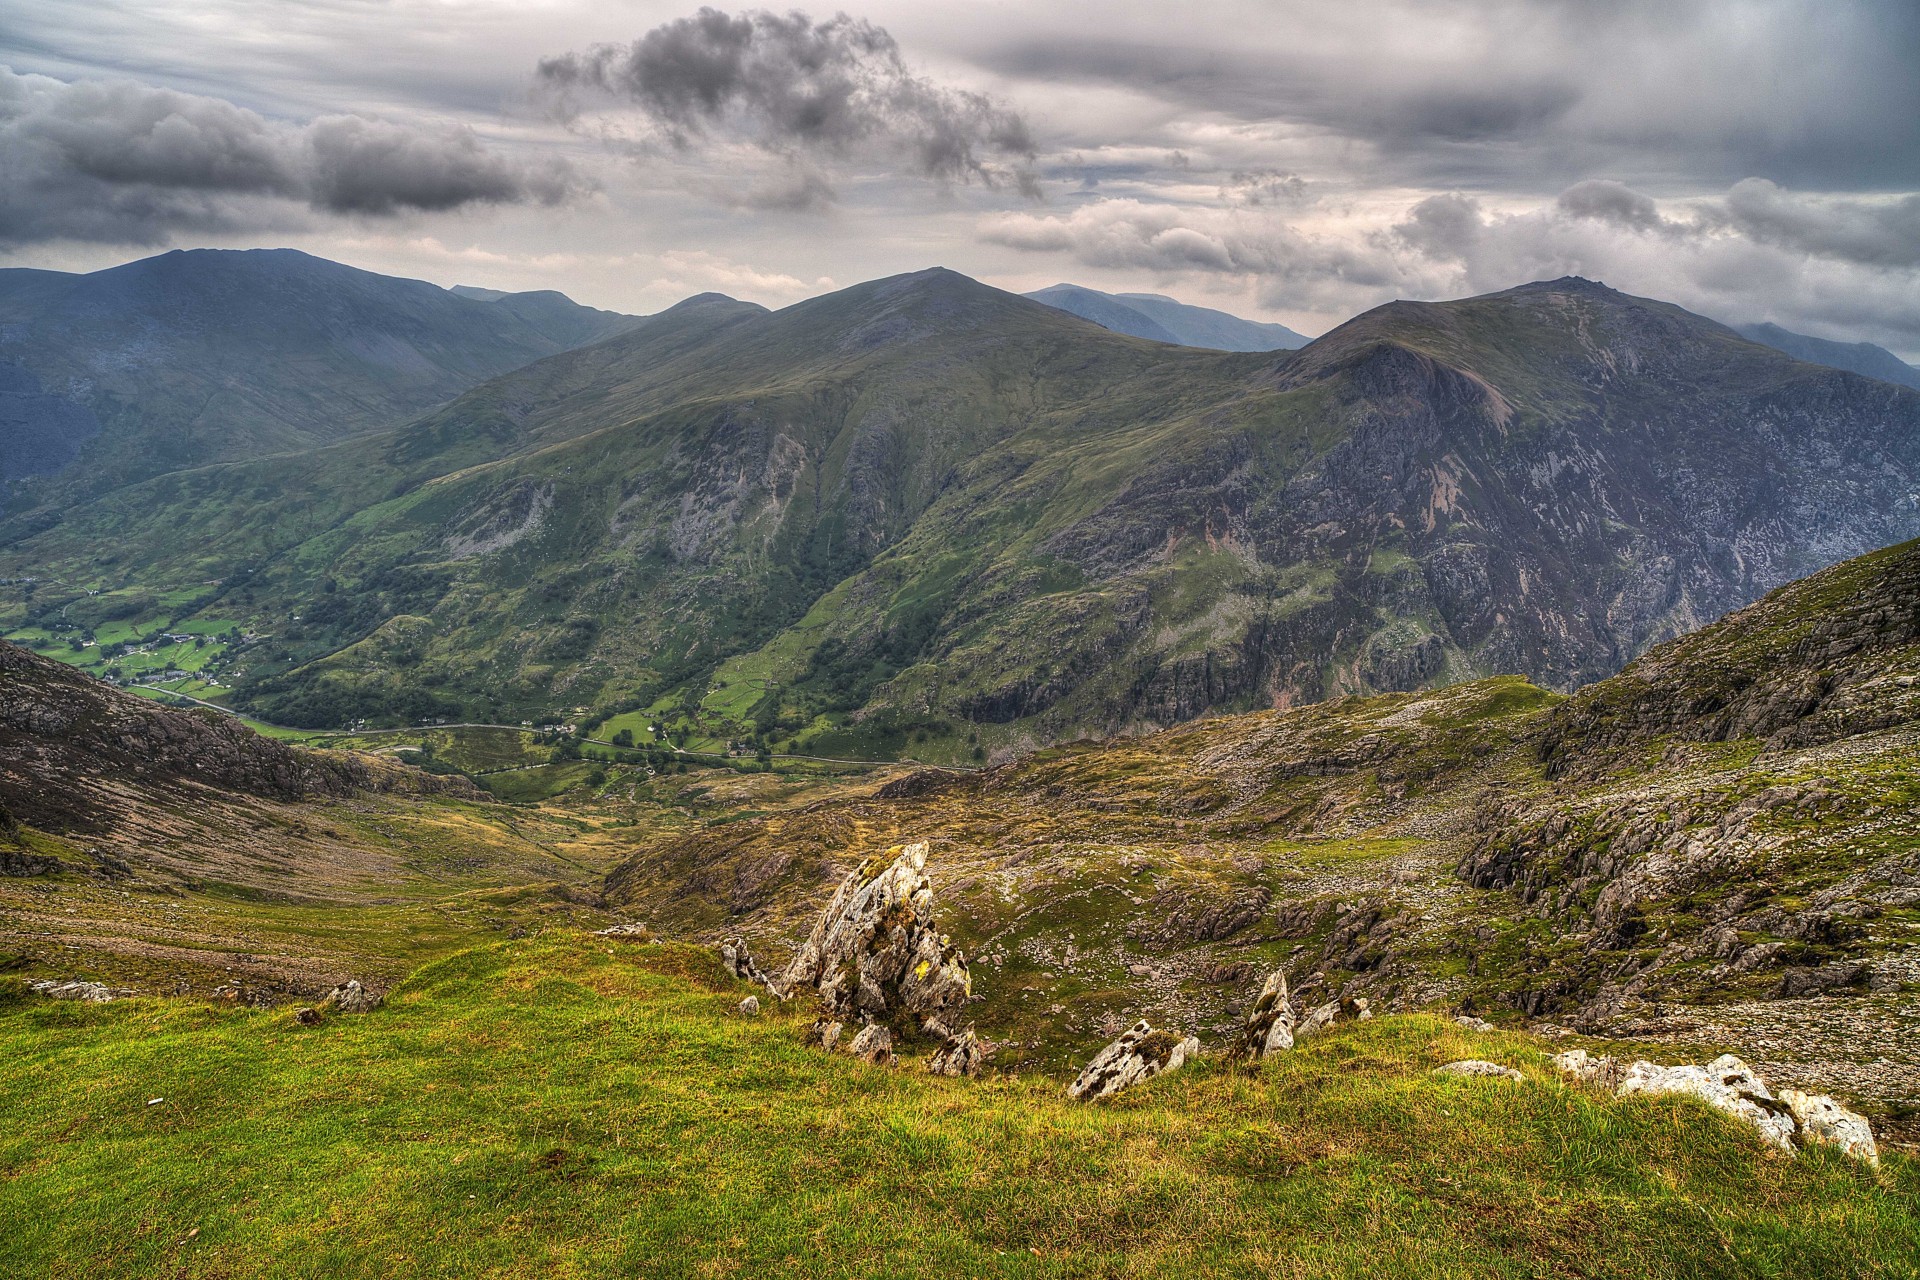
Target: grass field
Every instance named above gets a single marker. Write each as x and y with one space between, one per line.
565 1106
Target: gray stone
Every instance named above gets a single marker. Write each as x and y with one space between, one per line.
739 962
874 1044
1474 1024
748 1007
1269 1024
1819 1120
963 1055
89 992
350 997
1140 1054
1727 1084
1602 1073
1318 1019
1478 1067
826 1033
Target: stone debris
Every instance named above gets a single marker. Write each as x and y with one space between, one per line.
1140 1054
960 1056
350 997
1478 1067
90 992
1791 1120
1472 1023
749 1007
1269 1024
631 929
1819 1119
874 1045
739 962
1347 1009
875 955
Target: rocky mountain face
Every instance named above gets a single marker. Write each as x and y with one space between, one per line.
1713 847
1162 319
208 355
74 748
921 514
1863 358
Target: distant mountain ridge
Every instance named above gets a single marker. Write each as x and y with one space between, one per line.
1857 357
207 355
1162 319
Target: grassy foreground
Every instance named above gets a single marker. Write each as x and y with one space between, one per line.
562 1106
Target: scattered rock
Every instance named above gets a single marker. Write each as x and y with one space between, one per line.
749 1007
350 997
1140 1054
1478 1067
873 1045
1819 1119
1269 1025
960 1056
1347 1009
739 962
631 930
1472 1023
90 992
825 1033
308 1017
1726 1083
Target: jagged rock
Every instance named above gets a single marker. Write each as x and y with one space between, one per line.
825 1033
1140 1054
1478 1067
350 997
90 992
1472 1023
1269 1025
874 1044
874 952
748 1007
739 962
1347 1009
308 1017
1819 1119
1727 1084
960 1056
1601 1073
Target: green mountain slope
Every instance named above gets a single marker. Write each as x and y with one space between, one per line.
1156 316
210 355
923 515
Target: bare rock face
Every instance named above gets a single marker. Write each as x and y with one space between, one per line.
1269 1025
1347 1009
1727 1084
1140 1054
874 1045
1819 1119
1478 1067
350 997
875 956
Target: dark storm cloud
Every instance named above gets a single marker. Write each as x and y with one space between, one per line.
122 162
798 88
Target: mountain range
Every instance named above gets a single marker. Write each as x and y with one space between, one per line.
202 356
1857 357
1162 319
924 516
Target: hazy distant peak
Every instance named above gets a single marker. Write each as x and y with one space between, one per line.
1162 319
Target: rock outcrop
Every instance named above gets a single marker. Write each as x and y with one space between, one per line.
350 997
1478 1067
1345 1009
1269 1025
739 962
963 1055
875 955
874 1045
90 992
1788 1121
1140 1054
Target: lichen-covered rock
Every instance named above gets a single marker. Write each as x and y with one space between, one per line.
1602 1073
1478 1067
89 992
1140 1054
1819 1119
749 1007
1727 1084
350 997
825 1033
874 952
1347 1009
1472 1023
1269 1024
960 1056
874 1044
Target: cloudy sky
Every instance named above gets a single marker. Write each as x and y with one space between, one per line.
1294 160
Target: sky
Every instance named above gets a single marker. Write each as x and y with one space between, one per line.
1288 160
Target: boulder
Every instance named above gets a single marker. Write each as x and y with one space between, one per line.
1348 1009
308 1017
1140 1054
89 992
1727 1084
749 1007
1602 1073
1472 1023
1478 1067
350 997
1269 1025
960 1056
1819 1119
825 1033
874 1044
